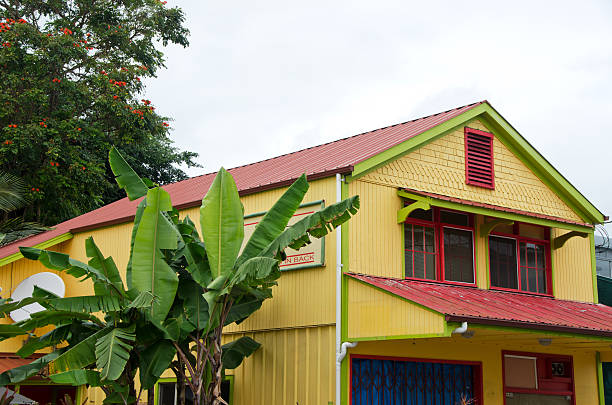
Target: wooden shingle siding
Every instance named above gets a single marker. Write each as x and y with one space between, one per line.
439 167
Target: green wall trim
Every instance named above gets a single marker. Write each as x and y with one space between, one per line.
600 379
541 332
593 267
494 213
368 165
43 245
446 333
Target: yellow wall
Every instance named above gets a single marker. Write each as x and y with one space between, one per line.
293 366
373 313
572 275
459 348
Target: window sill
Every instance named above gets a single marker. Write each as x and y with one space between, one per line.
457 283
520 292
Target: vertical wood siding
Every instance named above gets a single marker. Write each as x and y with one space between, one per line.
572 276
439 167
293 366
373 313
375 240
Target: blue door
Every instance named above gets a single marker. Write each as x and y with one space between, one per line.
398 382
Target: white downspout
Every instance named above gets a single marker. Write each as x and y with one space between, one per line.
341 348
461 329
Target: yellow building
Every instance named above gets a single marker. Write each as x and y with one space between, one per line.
468 272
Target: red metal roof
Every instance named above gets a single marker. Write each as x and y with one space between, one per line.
317 162
495 207
10 360
501 308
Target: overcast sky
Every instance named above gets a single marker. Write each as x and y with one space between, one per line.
263 78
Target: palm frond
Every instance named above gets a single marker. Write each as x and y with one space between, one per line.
12 189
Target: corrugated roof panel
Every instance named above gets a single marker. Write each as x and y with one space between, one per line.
522 310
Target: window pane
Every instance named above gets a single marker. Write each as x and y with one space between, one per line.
532 278
430 242
430 261
542 281
540 255
454 218
530 248
408 236
419 243
409 270
419 264
166 393
458 255
422 215
503 263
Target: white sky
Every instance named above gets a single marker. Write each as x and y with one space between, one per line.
263 78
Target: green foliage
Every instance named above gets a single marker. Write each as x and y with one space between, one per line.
12 197
182 291
72 86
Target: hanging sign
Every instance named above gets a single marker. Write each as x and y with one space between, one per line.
311 255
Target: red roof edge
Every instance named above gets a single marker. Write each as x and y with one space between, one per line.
525 325
253 190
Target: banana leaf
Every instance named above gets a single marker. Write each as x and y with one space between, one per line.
81 355
52 338
106 266
53 317
8 331
137 218
90 304
22 373
125 176
77 377
235 352
276 219
113 351
316 225
150 272
222 224
63 262
154 360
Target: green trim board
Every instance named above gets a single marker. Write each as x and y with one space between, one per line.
493 213
446 333
368 165
600 379
593 267
510 138
319 263
541 332
43 245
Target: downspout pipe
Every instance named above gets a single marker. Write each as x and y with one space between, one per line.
461 329
341 348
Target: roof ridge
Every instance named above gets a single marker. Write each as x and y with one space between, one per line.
337 140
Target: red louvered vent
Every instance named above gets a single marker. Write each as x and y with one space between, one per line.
479 158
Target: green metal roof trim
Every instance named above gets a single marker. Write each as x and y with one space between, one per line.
510 137
604 289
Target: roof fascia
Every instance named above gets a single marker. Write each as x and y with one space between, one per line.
366 166
43 245
514 141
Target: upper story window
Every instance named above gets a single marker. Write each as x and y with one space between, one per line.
519 258
479 170
439 245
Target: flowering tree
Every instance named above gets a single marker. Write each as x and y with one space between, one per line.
72 77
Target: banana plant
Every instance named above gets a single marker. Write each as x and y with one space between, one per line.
181 290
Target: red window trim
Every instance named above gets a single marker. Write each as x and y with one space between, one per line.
541 357
547 264
468 179
439 244
478 382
